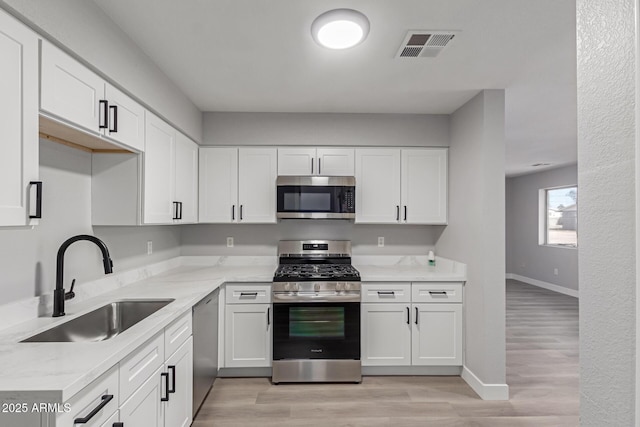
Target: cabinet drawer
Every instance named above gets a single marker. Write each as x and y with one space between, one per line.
90 398
248 294
177 333
386 292
139 365
436 292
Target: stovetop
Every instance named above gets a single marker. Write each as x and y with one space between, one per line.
316 272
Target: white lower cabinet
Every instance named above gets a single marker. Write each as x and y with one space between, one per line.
178 409
247 326
145 406
113 421
420 328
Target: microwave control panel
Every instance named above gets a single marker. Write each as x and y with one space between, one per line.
350 200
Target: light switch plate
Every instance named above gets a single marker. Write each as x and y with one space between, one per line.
380 242
229 242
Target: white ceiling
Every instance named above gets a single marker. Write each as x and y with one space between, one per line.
258 55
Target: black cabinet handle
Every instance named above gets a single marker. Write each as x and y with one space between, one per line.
416 315
408 316
113 119
312 159
233 213
319 166
248 294
397 212
38 185
118 424
241 212
179 210
386 293
268 317
166 387
405 212
103 114
437 292
105 399
175 210
172 368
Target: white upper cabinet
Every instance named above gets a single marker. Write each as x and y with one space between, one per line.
19 124
424 186
377 185
159 172
316 161
218 184
238 185
186 179
336 161
296 161
258 170
80 98
125 119
407 186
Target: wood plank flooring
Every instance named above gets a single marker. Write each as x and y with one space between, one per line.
542 373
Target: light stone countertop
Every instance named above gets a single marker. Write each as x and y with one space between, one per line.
62 369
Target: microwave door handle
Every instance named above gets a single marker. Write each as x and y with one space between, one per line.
319 173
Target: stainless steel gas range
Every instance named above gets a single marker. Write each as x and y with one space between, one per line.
316 313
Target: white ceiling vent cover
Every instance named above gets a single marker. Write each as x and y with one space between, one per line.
425 44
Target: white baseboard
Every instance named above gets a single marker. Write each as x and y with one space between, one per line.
545 285
485 391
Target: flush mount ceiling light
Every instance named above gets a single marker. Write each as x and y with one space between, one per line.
340 28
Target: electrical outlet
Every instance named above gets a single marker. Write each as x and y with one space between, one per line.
149 247
380 242
229 242
555 271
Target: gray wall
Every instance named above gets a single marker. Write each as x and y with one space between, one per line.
28 256
607 144
256 239
325 129
525 256
83 28
476 231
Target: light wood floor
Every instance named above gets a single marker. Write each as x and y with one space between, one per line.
542 373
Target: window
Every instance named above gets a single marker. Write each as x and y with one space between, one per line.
559 216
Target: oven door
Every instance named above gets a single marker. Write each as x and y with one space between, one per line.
316 330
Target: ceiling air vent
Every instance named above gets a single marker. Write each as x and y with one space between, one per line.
425 44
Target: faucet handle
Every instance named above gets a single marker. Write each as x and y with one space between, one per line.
70 294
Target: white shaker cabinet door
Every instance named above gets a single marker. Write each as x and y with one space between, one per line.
424 186
377 185
336 162
187 179
159 170
125 119
145 407
71 91
437 334
218 182
179 407
247 335
297 161
386 334
258 170
19 123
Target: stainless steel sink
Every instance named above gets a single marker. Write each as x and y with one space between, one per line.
103 323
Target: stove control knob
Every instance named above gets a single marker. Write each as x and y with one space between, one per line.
287 287
347 286
340 287
316 287
295 287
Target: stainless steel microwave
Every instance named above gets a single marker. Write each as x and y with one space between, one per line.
316 197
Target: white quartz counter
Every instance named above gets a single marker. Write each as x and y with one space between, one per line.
63 369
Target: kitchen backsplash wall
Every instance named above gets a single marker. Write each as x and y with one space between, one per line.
28 257
319 129
260 239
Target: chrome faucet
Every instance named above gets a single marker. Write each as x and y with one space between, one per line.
59 295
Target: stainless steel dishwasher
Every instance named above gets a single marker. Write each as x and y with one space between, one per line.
205 347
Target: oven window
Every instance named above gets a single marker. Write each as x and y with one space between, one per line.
307 202
316 322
